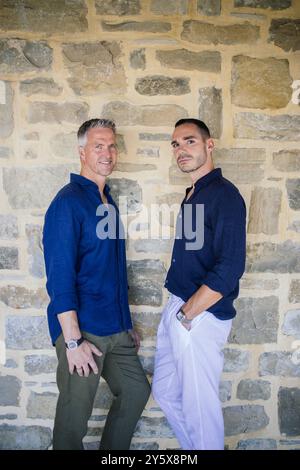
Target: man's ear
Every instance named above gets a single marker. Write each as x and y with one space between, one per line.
81 153
210 144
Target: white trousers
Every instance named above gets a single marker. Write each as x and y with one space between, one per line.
188 368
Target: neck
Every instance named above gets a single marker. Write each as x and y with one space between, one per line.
98 179
204 170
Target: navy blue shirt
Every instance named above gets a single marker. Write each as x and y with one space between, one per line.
220 262
84 273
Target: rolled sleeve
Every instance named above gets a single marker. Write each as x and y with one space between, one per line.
61 236
229 245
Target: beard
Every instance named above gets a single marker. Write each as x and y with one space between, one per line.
198 163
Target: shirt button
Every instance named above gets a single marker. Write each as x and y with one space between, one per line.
173 260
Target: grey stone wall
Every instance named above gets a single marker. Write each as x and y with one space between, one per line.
147 63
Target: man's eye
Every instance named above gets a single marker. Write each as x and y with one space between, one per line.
99 147
190 141
174 145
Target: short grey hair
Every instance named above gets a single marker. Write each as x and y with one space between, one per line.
91 124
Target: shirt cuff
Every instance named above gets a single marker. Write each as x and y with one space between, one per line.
64 303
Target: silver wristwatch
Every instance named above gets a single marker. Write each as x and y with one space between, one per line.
74 343
180 315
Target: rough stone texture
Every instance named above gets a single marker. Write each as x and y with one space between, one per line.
153 246
133 167
287 160
160 85
210 110
20 56
165 7
130 115
241 165
9 257
8 416
263 127
119 7
56 16
153 427
235 360
40 364
142 26
253 390
209 7
260 83
144 446
273 258
21 297
257 444
272 4
10 363
35 86
264 211
35 251
225 390
154 137
146 323
6 109
41 405
5 152
148 364
27 332
10 388
138 59
295 226
278 363
291 324
199 32
57 113
94 67
24 437
8 227
285 33
256 321
34 187
129 189
145 279
205 61
103 397
289 411
293 189
259 284
65 146
244 419
294 293
148 152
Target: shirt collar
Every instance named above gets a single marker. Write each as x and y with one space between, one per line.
206 179
89 184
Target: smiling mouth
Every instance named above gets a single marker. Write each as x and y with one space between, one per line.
183 160
105 163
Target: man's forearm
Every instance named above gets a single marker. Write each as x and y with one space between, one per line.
203 298
69 325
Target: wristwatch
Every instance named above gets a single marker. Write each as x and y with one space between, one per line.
74 343
180 315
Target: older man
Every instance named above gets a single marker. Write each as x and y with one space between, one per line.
88 314
203 281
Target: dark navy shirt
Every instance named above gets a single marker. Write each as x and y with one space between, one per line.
220 262
84 273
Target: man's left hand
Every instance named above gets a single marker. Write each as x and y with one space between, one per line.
136 338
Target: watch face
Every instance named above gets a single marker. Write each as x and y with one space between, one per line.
72 344
180 316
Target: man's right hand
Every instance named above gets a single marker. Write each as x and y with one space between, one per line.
81 359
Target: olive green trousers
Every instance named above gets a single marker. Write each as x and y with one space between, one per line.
121 368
